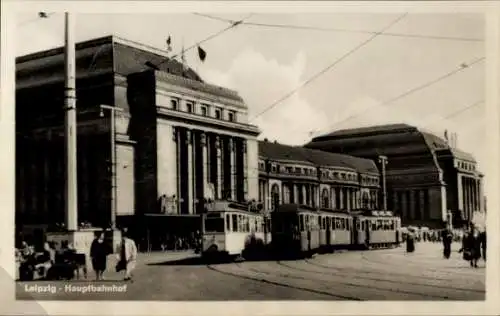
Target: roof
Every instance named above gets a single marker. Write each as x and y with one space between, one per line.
356 135
128 57
277 151
368 130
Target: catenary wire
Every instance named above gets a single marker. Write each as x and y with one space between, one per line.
411 91
343 30
324 70
233 25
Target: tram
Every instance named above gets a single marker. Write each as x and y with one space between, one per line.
231 230
375 229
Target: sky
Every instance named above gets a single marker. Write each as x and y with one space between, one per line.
423 78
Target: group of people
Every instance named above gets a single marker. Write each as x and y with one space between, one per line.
473 244
126 255
43 262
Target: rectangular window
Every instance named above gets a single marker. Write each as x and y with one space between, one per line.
228 222
230 116
204 110
235 223
214 225
174 104
218 114
189 107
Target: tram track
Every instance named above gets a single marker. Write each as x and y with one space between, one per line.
338 282
262 280
379 288
449 270
385 280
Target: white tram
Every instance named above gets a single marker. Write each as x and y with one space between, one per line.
231 229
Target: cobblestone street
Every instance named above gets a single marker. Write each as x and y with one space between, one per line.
366 275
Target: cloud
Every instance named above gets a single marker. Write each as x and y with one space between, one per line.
262 81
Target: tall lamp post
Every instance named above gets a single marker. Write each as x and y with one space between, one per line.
114 202
70 128
383 161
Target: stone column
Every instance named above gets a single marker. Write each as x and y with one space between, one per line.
206 165
404 212
347 198
190 176
245 169
476 194
461 203
332 197
177 135
481 197
395 200
304 194
233 168
220 179
412 204
341 192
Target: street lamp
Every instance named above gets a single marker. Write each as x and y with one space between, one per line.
112 110
383 161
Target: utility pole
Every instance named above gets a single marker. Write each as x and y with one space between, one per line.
383 161
71 189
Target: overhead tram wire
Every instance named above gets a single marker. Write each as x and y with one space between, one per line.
233 25
411 91
324 70
458 112
343 30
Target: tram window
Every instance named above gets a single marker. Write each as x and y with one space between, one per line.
214 225
363 225
358 225
235 222
392 224
374 225
348 226
228 222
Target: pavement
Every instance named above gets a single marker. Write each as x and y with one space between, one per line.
388 274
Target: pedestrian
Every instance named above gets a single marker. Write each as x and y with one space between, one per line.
127 255
471 247
483 244
99 252
447 240
410 242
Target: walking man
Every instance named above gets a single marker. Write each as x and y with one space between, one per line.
447 239
127 255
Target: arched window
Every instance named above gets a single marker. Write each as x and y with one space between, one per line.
325 199
275 196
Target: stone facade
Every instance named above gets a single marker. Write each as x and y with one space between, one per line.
318 179
426 178
178 140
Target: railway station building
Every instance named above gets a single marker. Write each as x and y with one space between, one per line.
298 175
156 143
428 179
174 141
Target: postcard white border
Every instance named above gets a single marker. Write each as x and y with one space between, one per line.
9 305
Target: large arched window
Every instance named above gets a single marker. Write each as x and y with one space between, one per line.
325 198
275 196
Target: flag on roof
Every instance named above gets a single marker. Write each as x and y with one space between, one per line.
202 54
169 44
